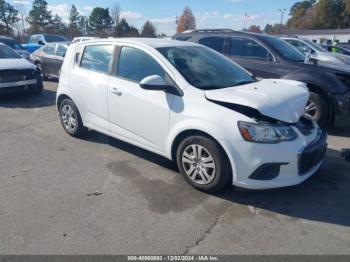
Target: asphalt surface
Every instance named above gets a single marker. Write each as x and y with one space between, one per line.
48 205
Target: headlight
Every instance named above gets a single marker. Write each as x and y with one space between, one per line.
266 133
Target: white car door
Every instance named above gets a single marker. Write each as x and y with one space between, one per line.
90 77
138 115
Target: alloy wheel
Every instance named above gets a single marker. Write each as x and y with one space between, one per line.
311 110
69 118
198 164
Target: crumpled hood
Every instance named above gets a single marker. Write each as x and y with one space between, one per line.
284 100
19 63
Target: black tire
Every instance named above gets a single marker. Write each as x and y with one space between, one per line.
40 67
321 109
79 130
221 174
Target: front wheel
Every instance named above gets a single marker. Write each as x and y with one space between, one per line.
40 67
71 119
36 89
317 109
203 164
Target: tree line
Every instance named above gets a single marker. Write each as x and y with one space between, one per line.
313 14
102 22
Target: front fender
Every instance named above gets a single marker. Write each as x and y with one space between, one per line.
216 132
322 79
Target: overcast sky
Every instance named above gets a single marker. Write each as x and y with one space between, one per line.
209 13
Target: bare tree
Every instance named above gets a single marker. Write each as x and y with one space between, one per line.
115 13
22 24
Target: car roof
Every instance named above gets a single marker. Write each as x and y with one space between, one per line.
152 42
6 37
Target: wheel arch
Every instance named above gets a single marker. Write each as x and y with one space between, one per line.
196 132
321 91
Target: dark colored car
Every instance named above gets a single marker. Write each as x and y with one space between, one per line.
270 57
17 74
49 59
9 41
340 49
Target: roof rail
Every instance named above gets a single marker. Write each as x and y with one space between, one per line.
207 31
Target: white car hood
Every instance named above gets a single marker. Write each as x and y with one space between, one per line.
284 100
19 63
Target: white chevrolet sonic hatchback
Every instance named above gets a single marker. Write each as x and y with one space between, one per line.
194 106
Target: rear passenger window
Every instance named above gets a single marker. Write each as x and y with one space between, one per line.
216 43
135 65
97 58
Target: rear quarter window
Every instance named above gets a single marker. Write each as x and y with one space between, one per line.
97 58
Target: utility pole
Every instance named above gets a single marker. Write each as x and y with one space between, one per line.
246 17
282 11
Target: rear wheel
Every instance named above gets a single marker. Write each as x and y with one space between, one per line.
203 164
317 109
71 119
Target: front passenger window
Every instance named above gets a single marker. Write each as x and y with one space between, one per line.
135 65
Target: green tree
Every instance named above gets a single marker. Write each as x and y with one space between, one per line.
328 14
187 21
346 14
57 26
302 15
268 29
39 17
148 30
100 21
255 29
84 26
123 29
74 19
8 17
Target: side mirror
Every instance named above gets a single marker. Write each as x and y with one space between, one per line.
157 83
41 42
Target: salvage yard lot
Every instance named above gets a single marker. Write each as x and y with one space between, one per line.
48 205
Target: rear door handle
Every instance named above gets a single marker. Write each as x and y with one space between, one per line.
116 91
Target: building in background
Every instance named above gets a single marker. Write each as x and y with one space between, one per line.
323 37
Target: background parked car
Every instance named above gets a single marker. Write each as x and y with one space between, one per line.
318 52
15 46
340 49
270 57
49 59
37 41
16 73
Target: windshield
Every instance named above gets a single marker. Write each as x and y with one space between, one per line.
8 53
284 49
55 38
11 43
315 46
205 68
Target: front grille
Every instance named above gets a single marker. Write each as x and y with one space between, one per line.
305 126
313 154
16 75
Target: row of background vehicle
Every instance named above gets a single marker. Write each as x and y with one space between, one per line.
270 57
262 55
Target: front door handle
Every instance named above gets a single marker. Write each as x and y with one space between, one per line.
116 91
